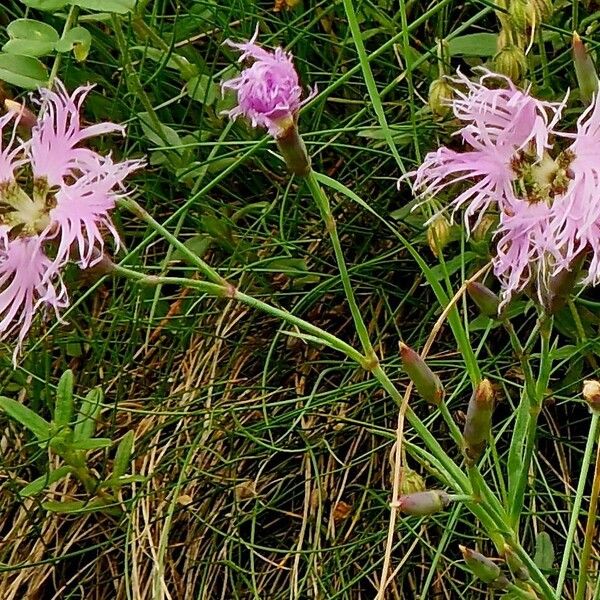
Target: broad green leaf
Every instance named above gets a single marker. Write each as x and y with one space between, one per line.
167 136
112 6
91 444
29 419
198 244
474 44
41 483
123 455
28 47
544 551
88 413
63 409
202 88
30 29
23 71
78 39
47 5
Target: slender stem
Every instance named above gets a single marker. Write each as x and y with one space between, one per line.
71 20
135 208
590 528
587 459
325 209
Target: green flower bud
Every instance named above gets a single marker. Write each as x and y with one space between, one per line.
511 61
478 423
487 302
438 234
529 13
411 482
427 383
421 504
481 566
293 150
591 394
587 77
440 96
515 564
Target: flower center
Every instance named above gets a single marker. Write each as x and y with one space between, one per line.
24 215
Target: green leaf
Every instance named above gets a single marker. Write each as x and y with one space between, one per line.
47 5
79 506
30 29
544 551
91 444
86 420
41 483
474 44
78 39
167 136
202 88
63 409
175 61
114 6
28 47
198 244
23 71
439 272
123 455
29 419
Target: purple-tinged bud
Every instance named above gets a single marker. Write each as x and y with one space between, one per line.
428 384
515 564
487 302
481 566
478 423
511 61
587 77
591 394
558 290
25 118
441 94
421 504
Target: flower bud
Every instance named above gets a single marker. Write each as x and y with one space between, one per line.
438 234
421 504
529 13
478 423
487 302
515 564
559 287
23 115
440 97
591 394
587 77
411 482
428 384
511 61
293 150
484 228
481 566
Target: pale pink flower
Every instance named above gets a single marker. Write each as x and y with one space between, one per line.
576 223
502 124
55 198
268 91
525 252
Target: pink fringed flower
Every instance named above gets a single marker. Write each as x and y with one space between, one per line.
56 197
547 201
268 91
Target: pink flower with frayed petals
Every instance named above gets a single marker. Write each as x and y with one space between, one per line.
54 149
268 91
501 124
28 280
524 251
56 196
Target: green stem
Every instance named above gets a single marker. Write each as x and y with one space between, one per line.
590 529
325 209
587 459
71 20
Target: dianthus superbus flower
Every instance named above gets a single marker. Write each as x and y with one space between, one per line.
269 95
55 201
